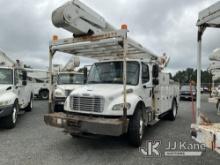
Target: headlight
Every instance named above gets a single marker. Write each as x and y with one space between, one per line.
5 103
58 94
119 107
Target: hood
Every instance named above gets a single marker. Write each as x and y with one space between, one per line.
68 87
105 90
3 88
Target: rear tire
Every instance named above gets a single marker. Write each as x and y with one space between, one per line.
136 128
173 112
44 94
10 121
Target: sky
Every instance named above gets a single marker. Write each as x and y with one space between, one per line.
161 26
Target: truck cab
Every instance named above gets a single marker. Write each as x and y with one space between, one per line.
15 95
151 95
66 83
103 93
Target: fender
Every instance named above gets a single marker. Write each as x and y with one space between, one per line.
132 99
9 96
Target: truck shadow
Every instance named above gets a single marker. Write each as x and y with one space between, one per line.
108 142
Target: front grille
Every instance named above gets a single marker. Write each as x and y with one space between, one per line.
88 104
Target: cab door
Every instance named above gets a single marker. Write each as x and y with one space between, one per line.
146 85
21 88
18 85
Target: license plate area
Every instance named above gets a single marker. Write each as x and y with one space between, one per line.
74 124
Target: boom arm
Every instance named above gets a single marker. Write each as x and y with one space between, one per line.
79 19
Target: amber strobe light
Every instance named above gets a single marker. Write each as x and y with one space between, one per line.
55 38
124 26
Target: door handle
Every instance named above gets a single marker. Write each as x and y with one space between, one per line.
145 87
150 93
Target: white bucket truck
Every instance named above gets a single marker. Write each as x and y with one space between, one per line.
67 80
125 91
15 93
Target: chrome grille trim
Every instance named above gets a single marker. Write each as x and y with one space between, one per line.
87 103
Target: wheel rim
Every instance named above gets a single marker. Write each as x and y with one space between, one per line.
174 111
141 130
14 115
31 104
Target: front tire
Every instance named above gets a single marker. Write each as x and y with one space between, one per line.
136 128
30 106
10 121
57 108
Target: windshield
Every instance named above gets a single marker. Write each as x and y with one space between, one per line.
187 88
70 79
112 73
6 76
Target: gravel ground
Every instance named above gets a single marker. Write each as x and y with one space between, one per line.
34 143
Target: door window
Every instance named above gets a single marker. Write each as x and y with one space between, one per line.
145 73
18 76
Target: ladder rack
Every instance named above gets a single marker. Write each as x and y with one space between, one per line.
103 46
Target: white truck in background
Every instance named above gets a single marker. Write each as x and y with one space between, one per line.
15 93
66 83
125 91
67 80
38 79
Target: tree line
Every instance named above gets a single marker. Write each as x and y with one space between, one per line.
190 74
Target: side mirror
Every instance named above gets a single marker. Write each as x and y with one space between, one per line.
24 82
24 78
155 71
24 75
155 82
85 73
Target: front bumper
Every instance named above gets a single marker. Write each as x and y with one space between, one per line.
6 111
60 100
208 134
184 96
79 124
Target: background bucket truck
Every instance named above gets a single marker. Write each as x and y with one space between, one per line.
67 80
15 93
